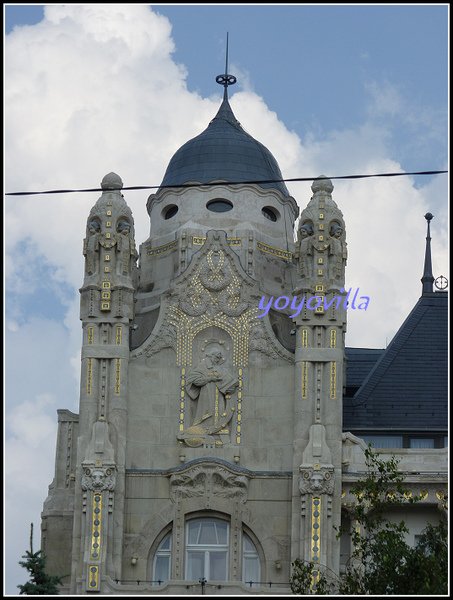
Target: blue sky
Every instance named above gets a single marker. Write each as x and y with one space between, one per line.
329 89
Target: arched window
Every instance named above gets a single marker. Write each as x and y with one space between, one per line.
207 542
251 569
162 561
207 551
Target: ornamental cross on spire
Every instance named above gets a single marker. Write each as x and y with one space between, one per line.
226 79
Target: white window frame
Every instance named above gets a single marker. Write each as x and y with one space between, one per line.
208 549
167 553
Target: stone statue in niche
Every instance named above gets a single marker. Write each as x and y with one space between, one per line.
209 386
91 246
306 250
125 246
337 250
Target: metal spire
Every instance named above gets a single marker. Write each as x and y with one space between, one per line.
226 79
427 279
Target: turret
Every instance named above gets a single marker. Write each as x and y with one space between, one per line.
107 310
320 329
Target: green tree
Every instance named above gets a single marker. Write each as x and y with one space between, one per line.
308 578
40 582
382 562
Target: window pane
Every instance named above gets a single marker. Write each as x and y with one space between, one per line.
421 443
194 528
165 543
208 533
384 441
195 564
217 566
162 568
162 560
222 532
248 545
251 569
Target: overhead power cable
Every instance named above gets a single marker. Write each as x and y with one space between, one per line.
214 183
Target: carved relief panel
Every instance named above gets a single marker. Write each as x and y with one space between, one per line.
210 320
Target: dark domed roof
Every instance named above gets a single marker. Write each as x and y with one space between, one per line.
225 152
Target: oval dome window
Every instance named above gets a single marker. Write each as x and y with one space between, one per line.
270 213
169 211
219 205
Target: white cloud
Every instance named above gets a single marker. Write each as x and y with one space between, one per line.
39 380
386 99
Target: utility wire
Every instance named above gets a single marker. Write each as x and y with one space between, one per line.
260 181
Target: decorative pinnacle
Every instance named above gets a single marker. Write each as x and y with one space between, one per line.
226 79
112 181
428 279
322 184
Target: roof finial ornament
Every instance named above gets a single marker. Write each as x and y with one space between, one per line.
226 79
428 279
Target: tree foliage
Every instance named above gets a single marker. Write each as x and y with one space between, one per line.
382 562
40 582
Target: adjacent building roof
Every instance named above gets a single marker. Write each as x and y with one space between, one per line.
224 152
359 362
407 387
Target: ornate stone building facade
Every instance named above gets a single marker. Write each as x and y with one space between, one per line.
209 448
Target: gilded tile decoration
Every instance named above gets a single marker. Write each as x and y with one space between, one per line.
103 383
304 379
333 380
117 376
161 249
119 335
216 406
333 338
93 577
89 375
319 372
239 408
320 309
182 397
315 542
200 240
304 337
96 519
187 327
90 334
278 252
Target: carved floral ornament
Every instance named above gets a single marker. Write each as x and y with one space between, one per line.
98 479
316 480
213 292
209 481
214 287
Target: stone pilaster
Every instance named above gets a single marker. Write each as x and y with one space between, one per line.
320 329
107 309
